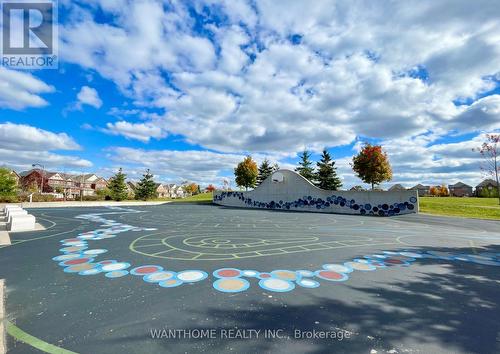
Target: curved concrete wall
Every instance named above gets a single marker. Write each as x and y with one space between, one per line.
287 190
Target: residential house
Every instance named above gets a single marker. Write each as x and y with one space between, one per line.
162 190
421 189
460 189
89 183
487 184
397 187
131 187
175 191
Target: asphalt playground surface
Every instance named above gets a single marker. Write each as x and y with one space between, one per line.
440 295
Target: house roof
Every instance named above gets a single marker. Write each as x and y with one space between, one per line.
487 182
460 185
397 187
420 186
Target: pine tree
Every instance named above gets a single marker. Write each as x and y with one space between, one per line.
117 186
265 170
146 188
305 168
326 176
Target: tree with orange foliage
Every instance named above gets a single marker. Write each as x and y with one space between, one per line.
210 188
443 191
246 173
434 191
371 165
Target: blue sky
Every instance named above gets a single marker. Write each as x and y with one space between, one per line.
188 88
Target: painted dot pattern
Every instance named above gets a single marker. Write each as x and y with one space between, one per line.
77 258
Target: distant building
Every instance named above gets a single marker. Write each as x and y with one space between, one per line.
488 184
397 187
460 189
162 190
71 186
175 191
421 189
131 187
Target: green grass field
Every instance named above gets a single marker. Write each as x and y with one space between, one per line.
482 208
199 198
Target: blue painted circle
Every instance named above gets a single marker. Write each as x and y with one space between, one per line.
308 283
116 274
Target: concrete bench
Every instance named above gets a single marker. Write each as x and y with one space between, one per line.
10 207
21 223
12 212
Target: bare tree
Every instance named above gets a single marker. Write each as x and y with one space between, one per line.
490 151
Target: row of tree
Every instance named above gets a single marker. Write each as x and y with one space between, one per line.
371 165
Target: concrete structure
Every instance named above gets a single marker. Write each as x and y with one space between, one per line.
21 223
460 189
287 190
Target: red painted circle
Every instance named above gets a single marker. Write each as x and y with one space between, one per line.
393 261
77 261
106 262
72 240
265 275
328 274
146 270
228 273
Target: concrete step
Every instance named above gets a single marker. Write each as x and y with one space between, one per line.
3 225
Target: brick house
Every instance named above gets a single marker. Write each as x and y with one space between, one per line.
460 189
421 189
488 184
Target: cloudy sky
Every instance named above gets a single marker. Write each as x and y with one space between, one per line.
187 88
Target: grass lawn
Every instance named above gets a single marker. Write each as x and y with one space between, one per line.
482 208
198 198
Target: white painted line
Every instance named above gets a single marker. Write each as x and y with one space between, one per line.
3 348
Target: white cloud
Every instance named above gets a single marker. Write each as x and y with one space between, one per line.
22 145
88 96
137 131
386 70
19 90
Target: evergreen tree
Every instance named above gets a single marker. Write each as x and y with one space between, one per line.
326 176
117 186
265 170
146 188
305 168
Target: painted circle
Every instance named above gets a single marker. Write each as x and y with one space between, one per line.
159 276
264 276
115 266
92 271
285 275
72 249
170 283
79 267
190 276
331 275
77 261
411 254
231 285
339 268
116 274
277 285
147 269
250 273
227 273
306 273
94 252
360 266
65 257
308 283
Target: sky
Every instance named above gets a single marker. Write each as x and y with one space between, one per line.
188 88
